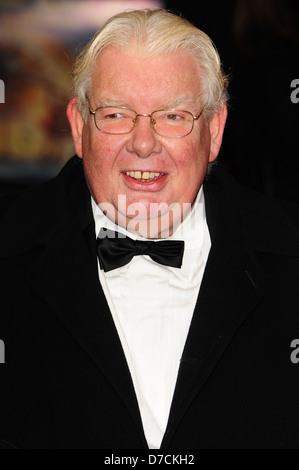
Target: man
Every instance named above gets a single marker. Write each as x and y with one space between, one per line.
144 304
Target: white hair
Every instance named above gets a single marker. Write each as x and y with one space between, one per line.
154 32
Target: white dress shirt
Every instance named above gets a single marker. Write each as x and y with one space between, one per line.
152 308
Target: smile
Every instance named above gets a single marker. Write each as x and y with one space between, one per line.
145 176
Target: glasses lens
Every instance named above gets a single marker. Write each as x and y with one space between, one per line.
173 123
115 120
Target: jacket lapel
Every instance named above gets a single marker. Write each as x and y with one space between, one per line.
67 279
66 276
232 286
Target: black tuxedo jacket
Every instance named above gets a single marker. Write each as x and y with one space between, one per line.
65 383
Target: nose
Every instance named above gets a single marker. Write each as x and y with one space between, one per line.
143 140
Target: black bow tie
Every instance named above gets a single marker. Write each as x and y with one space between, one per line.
116 250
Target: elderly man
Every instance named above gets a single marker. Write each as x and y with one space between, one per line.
147 300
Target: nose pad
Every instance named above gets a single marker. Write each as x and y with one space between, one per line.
153 121
135 121
143 139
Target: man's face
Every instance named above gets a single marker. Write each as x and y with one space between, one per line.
146 84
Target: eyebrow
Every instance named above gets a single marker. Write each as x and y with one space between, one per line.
113 103
179 101
103 102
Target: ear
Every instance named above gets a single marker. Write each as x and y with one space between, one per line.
77 124
217 126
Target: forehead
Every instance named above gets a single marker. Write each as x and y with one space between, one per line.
133 79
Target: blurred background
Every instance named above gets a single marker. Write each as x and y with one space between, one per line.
258 41
39 40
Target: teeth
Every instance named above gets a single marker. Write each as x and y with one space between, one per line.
146 175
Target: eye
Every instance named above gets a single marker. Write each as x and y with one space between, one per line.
114 116
173 117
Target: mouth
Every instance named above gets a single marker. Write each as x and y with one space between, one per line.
145 176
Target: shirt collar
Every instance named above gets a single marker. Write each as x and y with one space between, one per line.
193 231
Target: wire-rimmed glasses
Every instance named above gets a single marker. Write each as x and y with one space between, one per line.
166 122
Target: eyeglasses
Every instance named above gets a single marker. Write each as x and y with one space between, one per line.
167 123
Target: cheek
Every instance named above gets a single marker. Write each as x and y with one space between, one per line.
100 152
191 157
191 163
199 147
94 162
100 160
